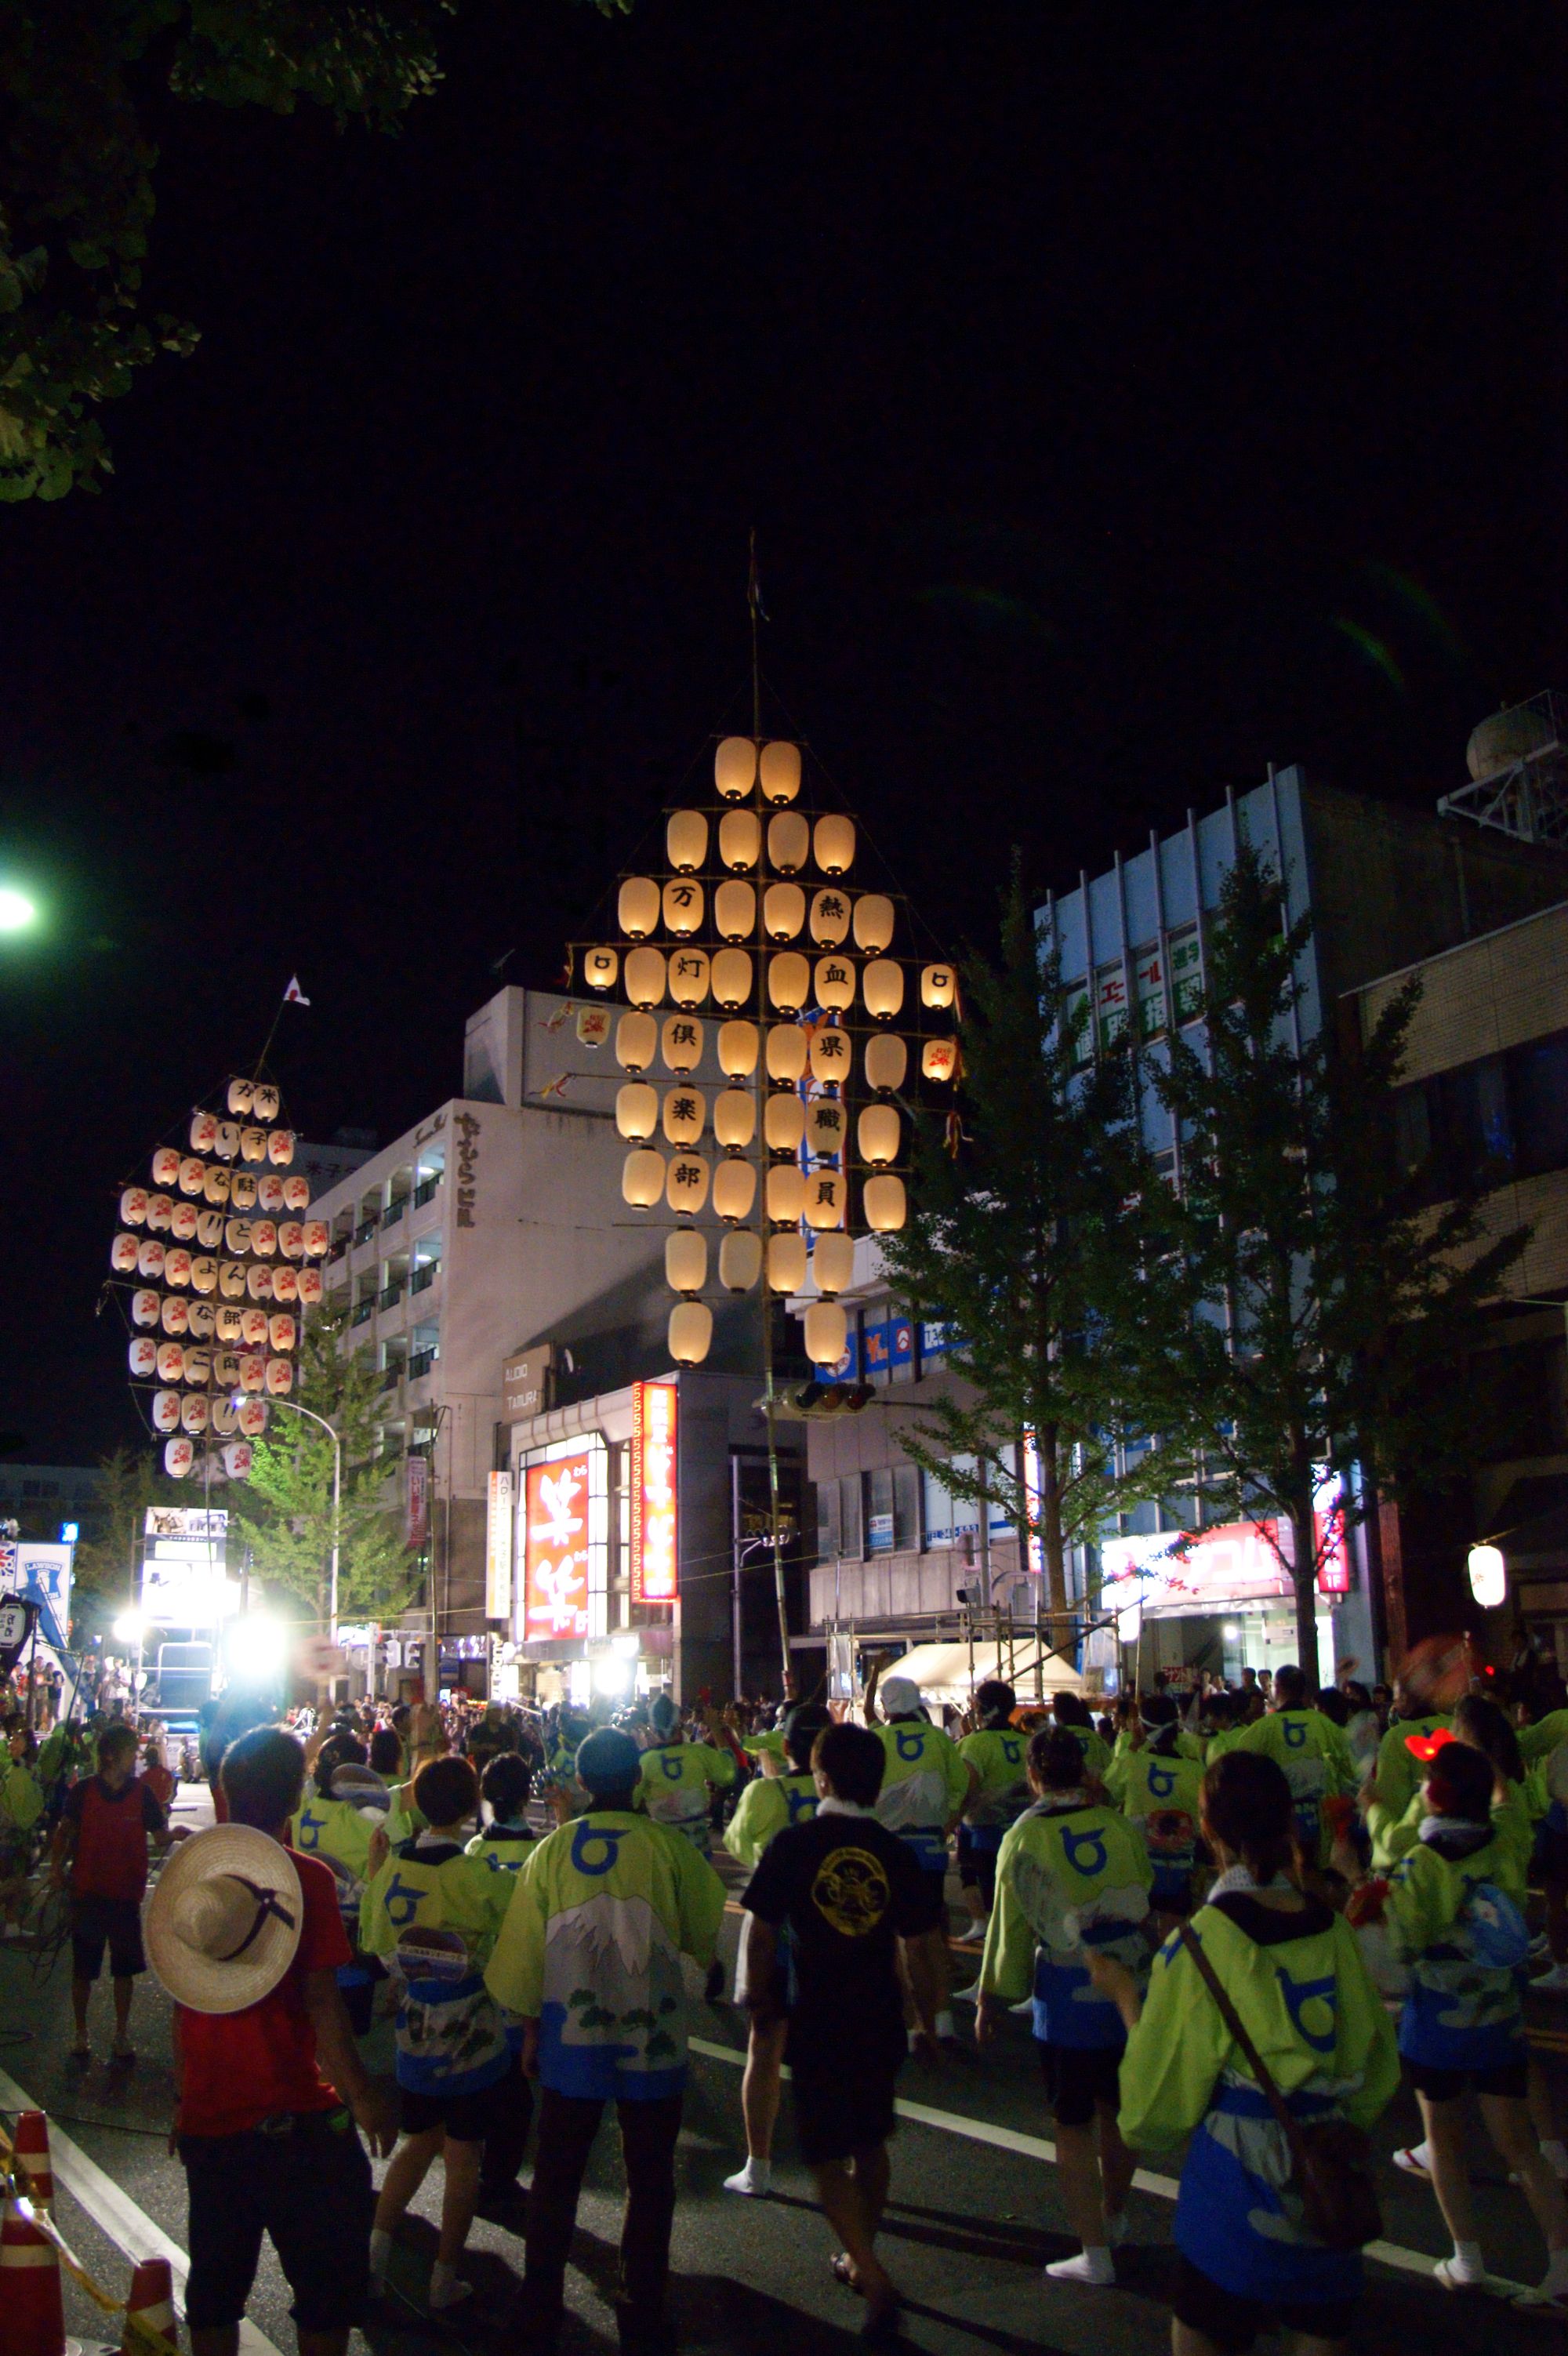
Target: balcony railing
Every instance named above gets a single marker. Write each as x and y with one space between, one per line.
394 1211
367 1227
424 1192
423 1277
421 1363
361 1314
391 1378
336 1250
389 1297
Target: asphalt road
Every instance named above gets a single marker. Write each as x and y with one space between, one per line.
975 2214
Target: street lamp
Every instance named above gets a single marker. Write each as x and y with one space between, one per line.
16 910
331 1432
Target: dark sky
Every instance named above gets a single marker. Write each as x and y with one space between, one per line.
1124 397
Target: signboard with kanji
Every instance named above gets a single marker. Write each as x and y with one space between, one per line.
654 1521
555 1550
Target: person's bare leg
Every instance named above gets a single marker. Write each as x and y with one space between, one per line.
1445 2124
874 2173
408 2167
1509 2125
462 2190
843 2187
759 2087
124 1991
1079 2166
81 1996
1117 2164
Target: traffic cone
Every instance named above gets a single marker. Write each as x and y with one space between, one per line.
32 2318
32 2149
149 2306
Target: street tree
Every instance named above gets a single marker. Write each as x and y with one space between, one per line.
129 1480
1327 1309
1035 1214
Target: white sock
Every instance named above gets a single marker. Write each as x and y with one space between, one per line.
1554 2152
1090 2265
380 2255
445 2287
756 2176
1467 2260
944 2025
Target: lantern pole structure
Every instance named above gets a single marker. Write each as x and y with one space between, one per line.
291 1406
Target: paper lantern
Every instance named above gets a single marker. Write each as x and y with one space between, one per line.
203 1320
192 1175
177 1266
1488 1575
193 1413
688 976
645 976
789 981
133 1206
939 1059
783 911
165 1166
264 1237
253 1372
229 1325
741 1259
286 1284
296 1194
149 1258
683 904
171 1362
827 1332
637 1041
280 1377
175 1316
252 1418
685 1261
143 1358
735 767
601 968
737 1047
687 1186
637 1111
786 1263
830 1054
199 1367
254 1144
317 1239
231 1279
833 845
253 1328
883 1204
145 1306
266 1102
226 1373
834 982
238 1458
282 1333
691 1332
874 920
291 1239
786 1050
242 1096
825 1125
827 1192
243 1190
732 978
203 1131
788 842
210 1229
780 771
784 1122
882 984
734 1117
734 911
259 1281
160 1213
878 1134
686 841
740 839
638 907
204 1273
642 1178
786 1194
681 1043
269 1196
227 1145
830 918
164 1410
833 1261
311 1287
182 1226
180 1455
734 1190
887 1062
685 1115
218 1182
593 1026
123 1255
937 985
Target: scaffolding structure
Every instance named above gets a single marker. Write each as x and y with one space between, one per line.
1519 762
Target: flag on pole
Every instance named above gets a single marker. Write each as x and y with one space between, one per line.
293 995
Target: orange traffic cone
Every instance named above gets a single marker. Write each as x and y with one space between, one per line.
149 2308
32 2149
32 2318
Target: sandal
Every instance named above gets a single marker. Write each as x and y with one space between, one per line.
842 2268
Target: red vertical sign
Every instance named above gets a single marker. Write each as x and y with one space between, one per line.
654 1524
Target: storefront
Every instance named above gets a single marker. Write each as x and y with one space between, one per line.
1223 1600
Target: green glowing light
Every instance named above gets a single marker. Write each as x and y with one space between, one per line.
16 910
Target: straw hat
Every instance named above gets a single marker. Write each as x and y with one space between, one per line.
223 1920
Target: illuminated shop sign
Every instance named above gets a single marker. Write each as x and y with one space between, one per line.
653 1509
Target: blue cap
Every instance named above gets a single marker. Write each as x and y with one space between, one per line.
608 1760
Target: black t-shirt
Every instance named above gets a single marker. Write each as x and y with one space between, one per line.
845 1889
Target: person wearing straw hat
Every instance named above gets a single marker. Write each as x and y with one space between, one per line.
246 1936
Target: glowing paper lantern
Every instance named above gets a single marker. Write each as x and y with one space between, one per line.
734 911
175 1316
685 1115
264 1237
827 1332
878 1134
735 767
226 1373
784 1123
601 968
788 842
686 841
229 1327
193 1414
160 1213
825 1119
145 1306
884 1204
210 1229
832 842
203 1320
685 1261
124 1254
227 1145
204 1273
740 839
182 1226
1488 1576
266 1102
732 978
786 1194
687 1186
269 1196
874 920
192 1175
218 1182
197 1366
683 904
688 976
171 1362
243 1190
254 1144
786 1050
827 1192
311 1287
886 1063
318 1238
143 1358
637 1111
830 1054
786 1263
286 1284
133 1206
783 911
150 1257
280 1377
939 1059
779 771
734 1190
164 1410
282 1333
291 1239
832 1262
830 918
645 976
180 1455
738 1047
296 1194
252 1418
177 1266
241 1096
592 1025
682 1043
734 1117
883 982
691 1332
637 1041
638 907
741 1259
203 1131
259 1281
642 1178
937 987
238 1458
253 1326
789 981
834 982
165 1166
231 1279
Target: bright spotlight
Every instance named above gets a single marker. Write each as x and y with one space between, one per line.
612 1676
129 1627
257 1646
16 910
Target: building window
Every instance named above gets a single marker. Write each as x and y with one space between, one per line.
1537 1083
829 1523
906 1509
1483 1124
850 1517
879 1512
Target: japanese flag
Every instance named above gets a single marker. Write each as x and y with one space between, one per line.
293 995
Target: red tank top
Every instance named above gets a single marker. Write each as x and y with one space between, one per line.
110 1843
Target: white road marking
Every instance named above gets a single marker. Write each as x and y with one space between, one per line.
128 2227
1164 2188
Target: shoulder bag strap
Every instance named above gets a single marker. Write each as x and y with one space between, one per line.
1290 2127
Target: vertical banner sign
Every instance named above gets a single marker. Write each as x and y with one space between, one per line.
498 1549
555 1550
416 1504
653 1510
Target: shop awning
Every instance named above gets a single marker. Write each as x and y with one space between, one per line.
950 1672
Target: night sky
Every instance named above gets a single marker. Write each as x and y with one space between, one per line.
1124 398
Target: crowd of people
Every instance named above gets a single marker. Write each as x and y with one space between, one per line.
1234 1918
